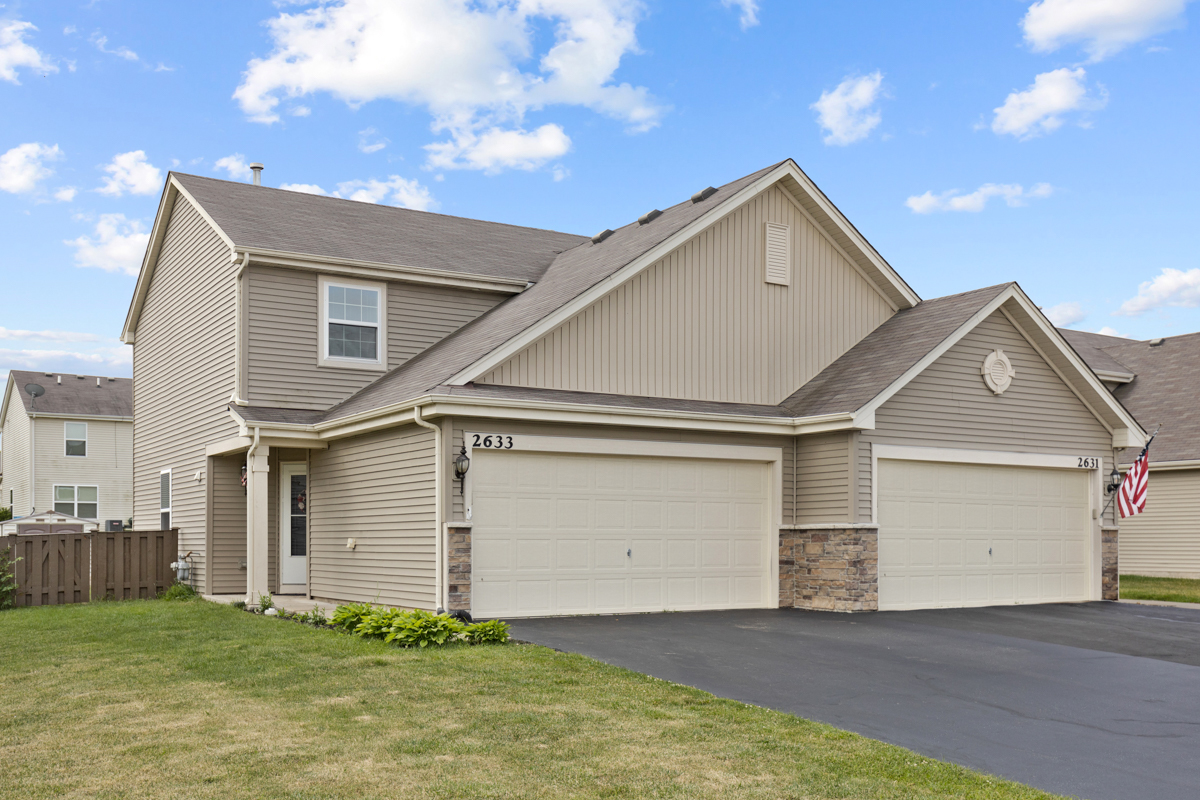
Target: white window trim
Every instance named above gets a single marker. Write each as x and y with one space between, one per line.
74 503
65 439
171 484
323 357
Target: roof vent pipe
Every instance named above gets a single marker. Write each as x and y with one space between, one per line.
257 168
60 380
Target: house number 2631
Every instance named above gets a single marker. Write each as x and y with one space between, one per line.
1089 463
493 441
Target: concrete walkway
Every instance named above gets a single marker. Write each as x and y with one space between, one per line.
292 603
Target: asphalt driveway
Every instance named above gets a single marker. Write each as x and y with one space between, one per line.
1097 700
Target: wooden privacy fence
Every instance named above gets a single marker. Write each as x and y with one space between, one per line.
74 567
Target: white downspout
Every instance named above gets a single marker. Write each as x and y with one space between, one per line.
33 464
240 338
438 550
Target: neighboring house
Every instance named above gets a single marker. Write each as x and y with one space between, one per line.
69 450
735 402
1158 381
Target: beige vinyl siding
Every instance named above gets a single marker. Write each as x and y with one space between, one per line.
378 489
823 478
228 521
704 324
863 477
283 341
1164 540
183 375
108 464
949 406
15 441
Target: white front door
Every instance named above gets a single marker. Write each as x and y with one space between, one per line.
981 535
558 533
293 527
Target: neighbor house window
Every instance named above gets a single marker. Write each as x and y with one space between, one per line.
353 324
76 435
164 500
78 501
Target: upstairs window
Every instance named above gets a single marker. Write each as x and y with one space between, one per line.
76 436
353 324
164 500
78 501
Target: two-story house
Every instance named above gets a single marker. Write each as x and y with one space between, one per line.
733 402
69 449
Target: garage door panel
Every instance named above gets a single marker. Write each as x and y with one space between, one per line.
956 546
567 534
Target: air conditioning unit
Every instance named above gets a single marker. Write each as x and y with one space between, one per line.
114 525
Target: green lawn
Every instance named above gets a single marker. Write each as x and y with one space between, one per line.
1174 590
196 700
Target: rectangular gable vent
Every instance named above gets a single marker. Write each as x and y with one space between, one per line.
778 253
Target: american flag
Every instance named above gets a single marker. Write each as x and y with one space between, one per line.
1131 499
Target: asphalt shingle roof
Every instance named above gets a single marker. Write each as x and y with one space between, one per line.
259 217
76 395
1090 347
886 353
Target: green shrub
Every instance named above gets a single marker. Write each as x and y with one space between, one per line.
349 616
178 591
491 632
265 602
240 605
421 629
8 581
314 617
5 513
377 624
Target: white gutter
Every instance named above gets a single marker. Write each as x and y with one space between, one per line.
439 581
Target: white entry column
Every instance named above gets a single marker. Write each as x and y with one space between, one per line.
257 474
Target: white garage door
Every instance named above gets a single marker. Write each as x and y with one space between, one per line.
587 534
973 535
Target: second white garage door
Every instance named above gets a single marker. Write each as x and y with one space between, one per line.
977 535
587 534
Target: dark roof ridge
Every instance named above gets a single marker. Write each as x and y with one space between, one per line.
380 205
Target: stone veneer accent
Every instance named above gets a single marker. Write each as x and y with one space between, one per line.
1110 588
829 569
458 561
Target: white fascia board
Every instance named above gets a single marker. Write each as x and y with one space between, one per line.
378 270
8 393
237 444
171 192
89 417
1167 466
666 247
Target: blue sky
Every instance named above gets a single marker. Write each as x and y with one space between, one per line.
1051 143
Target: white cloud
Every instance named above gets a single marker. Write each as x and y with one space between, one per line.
462 61
749 9
300 111
395 191
16 52
304 188
1104 27
952 200
66 194
115 361
1171 287
23 167
1039 108
48 336
131 172
235 165
495 150
846 112
1107 331
1065 314
365 143
101 43
117 245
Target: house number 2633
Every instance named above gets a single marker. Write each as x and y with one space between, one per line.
493 441
1089 463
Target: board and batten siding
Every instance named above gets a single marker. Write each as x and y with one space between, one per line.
283 335
15 441
704 324
108 464
227 536
949 406
183 376
1164 540
379 490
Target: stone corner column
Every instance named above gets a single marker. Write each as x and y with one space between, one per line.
458 566
257 535
1110 582
836 567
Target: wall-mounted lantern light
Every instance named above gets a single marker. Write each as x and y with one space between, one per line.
1114 481
461 464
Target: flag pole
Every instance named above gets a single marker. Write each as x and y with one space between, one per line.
1113 496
